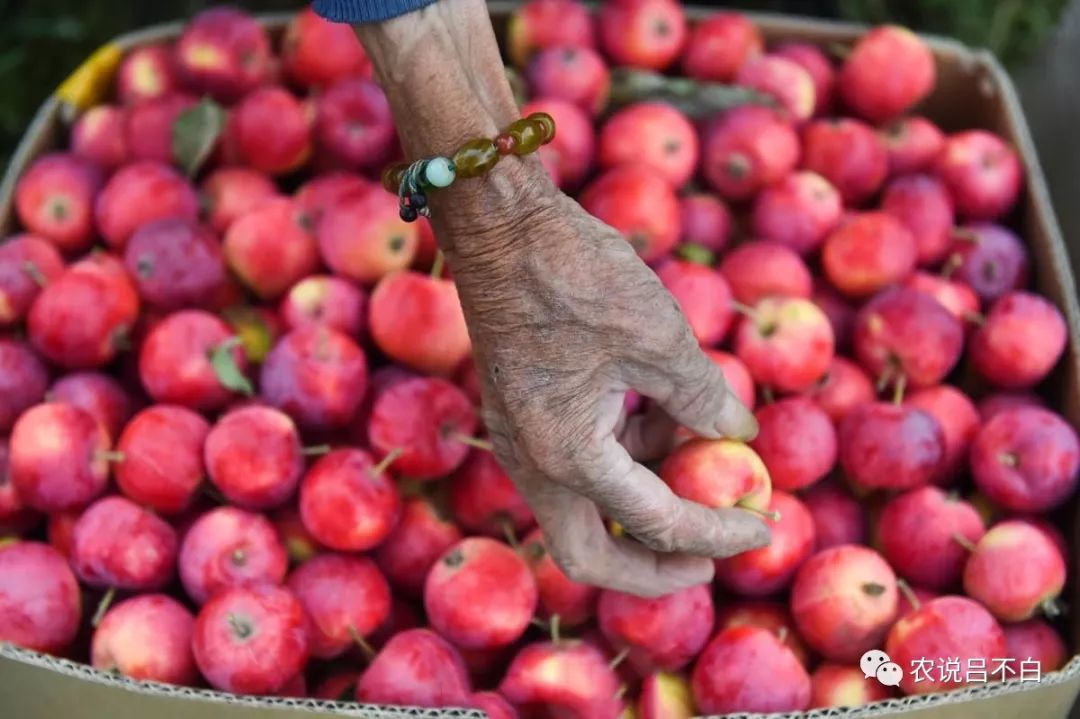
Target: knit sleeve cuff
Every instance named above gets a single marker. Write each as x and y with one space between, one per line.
366 11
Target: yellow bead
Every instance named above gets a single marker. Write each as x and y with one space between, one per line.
475 157
527 136
391 177
547 124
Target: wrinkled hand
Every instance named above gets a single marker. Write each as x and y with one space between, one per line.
565 319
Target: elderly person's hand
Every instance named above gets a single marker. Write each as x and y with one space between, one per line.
564 319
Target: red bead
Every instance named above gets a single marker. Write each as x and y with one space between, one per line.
505 144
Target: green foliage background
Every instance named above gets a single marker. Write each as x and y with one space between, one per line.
41 41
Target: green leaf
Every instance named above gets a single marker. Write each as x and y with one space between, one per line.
693 98
226 369
194 133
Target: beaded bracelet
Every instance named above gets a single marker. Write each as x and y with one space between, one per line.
411 181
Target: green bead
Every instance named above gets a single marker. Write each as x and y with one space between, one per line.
476 157
527 134
439 172
391 178
546 123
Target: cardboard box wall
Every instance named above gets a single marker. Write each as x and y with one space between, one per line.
972 91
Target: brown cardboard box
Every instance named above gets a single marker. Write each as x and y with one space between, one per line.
972 91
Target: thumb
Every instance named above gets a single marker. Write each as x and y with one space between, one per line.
701 400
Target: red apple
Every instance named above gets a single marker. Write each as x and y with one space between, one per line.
415 543
1036 640
15 517
990 258
117 544
705 221
718 473
955 296
485 501
345 597
317 376
787 343
147 638
920 531
347 502
760 269
703 295
354 125
737 376
719 45
839 518
888 446
316 52
493 705
785 81
922 204
844 600
226 548
746 149
54 199
148 127
270 131
363 238
27 263
839 311
178 357
799 212
99 394
947 628
325 300
994 404
162 466
654 135
40 606
889 71
254 458
230 192
573 602
322 192
1020 341
567 678
772 616
298 541
269 249
867 253
796 441
912 598
175 263
98 136
146 72
340 686
480 594
905 333
913 144
843 387
23 381
416 668
983 174
647 34
814 60
840 685
224 52
959 421
139 193
541 24
638 202
251 640
765 571
59 529
1026 459
574 74
748 669
664 633
58 457
573 149
417 320
847 153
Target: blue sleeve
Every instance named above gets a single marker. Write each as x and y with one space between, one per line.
366 11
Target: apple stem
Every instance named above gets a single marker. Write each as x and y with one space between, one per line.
316 451
908 593
975 318
553 628
437 265
963 541
782 634
745 310
509 533
951 265
766 513
365 647
885 377
385 462
103 606
475 442
964 234
35 274
110 455
1052 607
767 394
619 658
620 692
898 389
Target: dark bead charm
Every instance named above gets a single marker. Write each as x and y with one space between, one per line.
391 177
418 200
409 214
505 143
547 125
475 157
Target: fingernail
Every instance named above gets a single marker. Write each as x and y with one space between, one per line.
741 425
762 536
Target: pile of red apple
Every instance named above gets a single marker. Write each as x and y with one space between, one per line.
241 442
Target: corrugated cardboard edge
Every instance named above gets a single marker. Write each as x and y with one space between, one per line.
1008 700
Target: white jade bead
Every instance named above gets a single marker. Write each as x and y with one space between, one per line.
439 172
